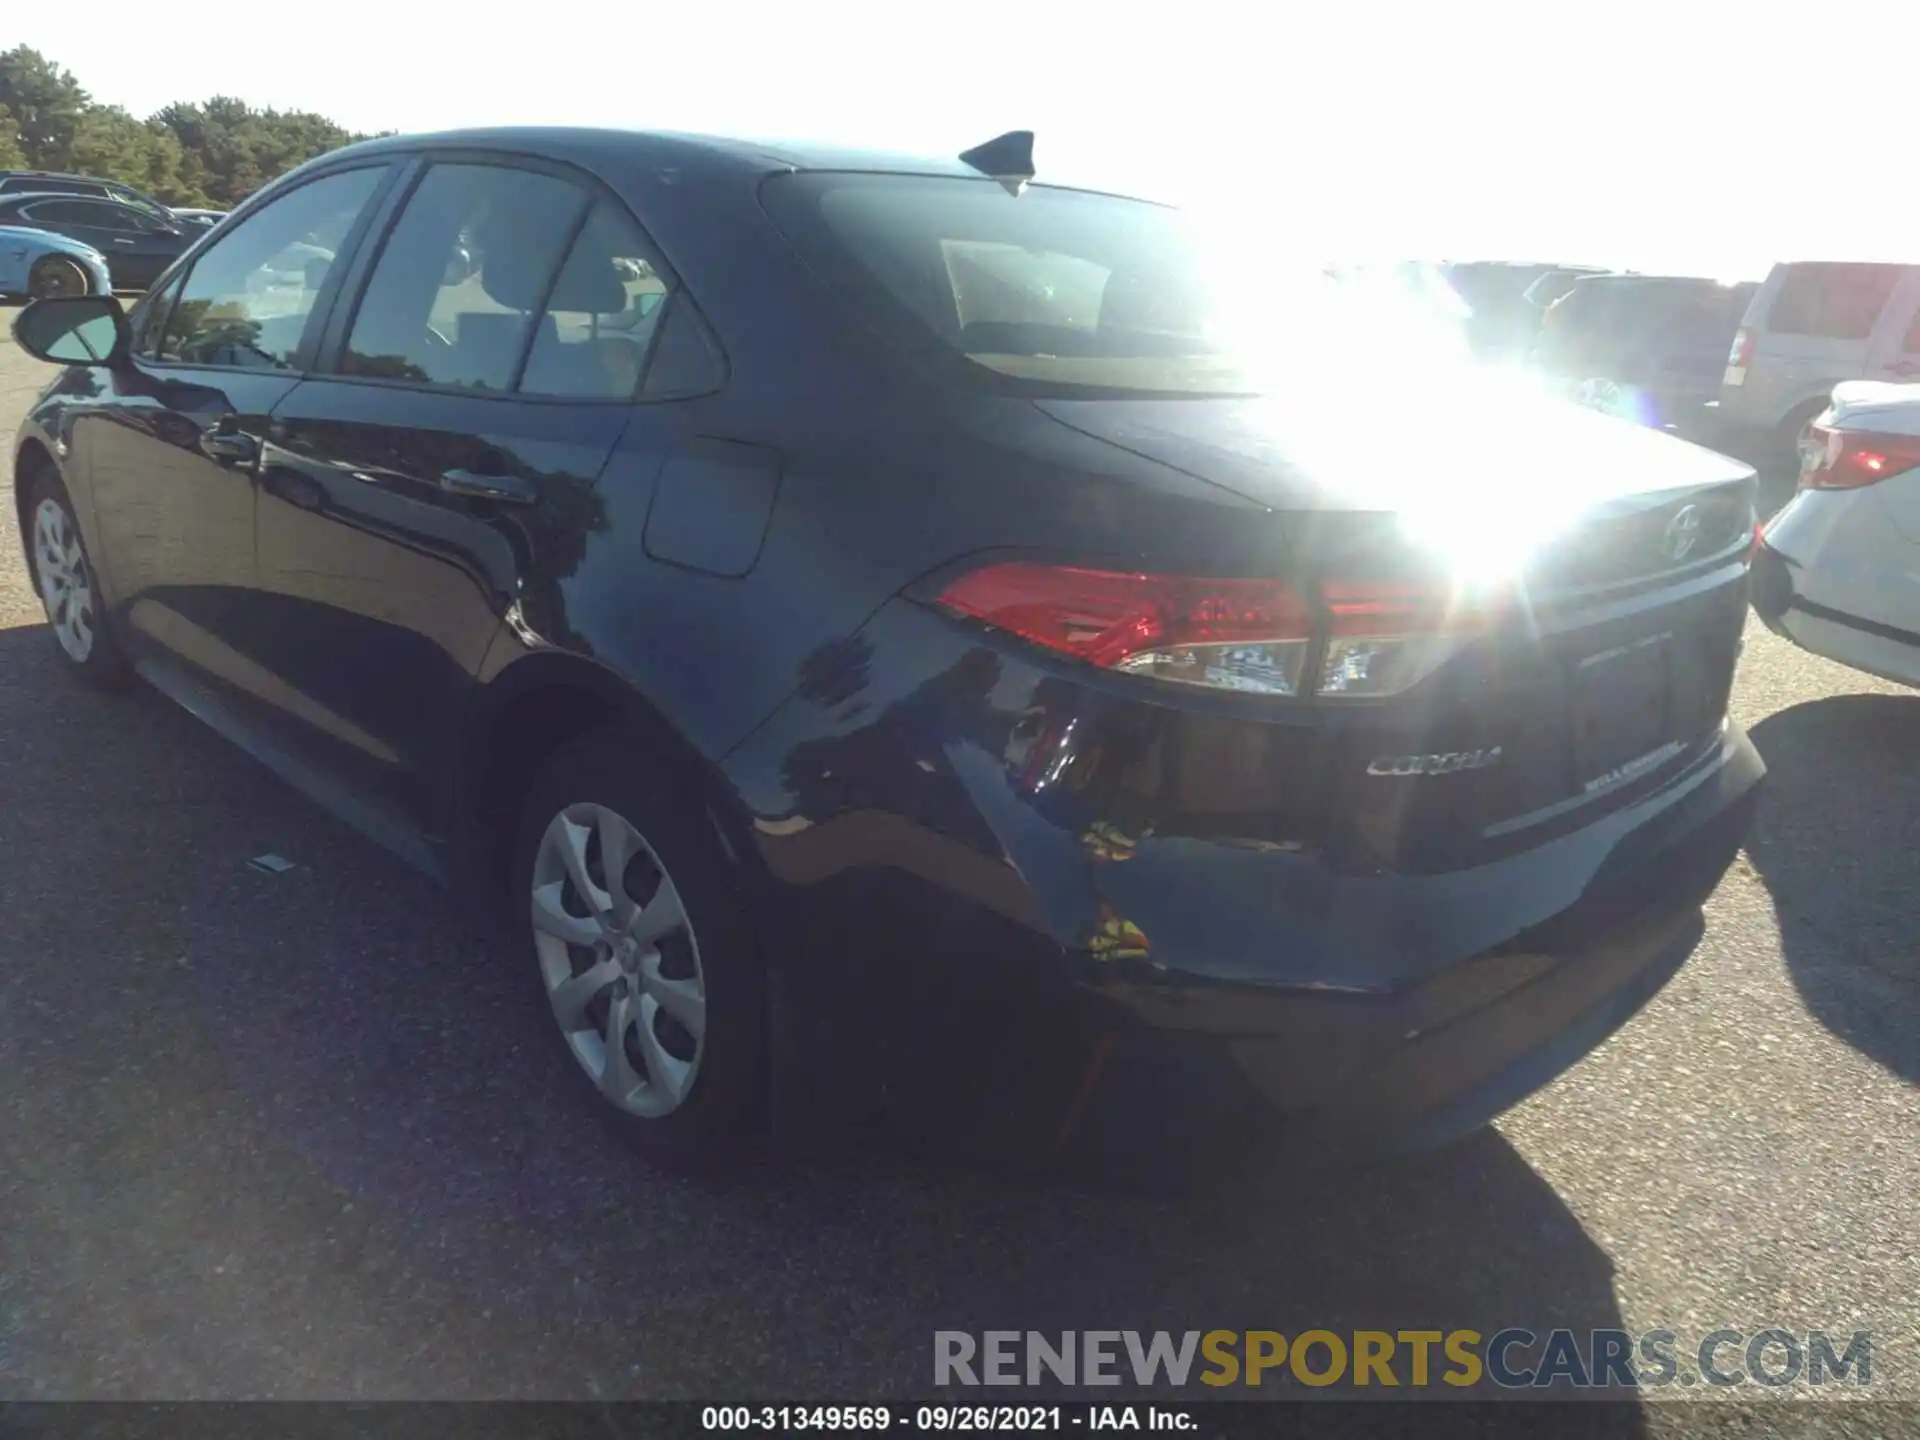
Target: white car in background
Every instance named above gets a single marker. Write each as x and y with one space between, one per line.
1838 570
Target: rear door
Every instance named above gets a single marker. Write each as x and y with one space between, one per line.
441 478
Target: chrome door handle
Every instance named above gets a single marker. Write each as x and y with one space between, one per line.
504 489
234 445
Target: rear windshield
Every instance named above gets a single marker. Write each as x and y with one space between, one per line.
1833 301
1053 291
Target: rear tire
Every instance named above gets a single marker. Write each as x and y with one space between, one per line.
652 986
68 586
1784 452
53 276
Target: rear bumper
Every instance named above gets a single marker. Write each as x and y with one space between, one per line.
1416 1067
1839 578
1864 644
1040 908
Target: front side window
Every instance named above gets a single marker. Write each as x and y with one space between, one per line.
149 321
247 300
467 267
137 218
592 341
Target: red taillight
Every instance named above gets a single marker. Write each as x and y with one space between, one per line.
1742 351
1398 607
1246 635
1841 460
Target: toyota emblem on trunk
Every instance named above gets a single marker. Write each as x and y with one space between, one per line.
1683 532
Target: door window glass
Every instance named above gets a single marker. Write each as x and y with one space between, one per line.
468 265
1832 301
61 212
149 321
247 299
592 341
105 215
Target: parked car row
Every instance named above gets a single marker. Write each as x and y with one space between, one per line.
136 234
1808 374
1745 368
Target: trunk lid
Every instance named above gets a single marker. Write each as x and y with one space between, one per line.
1625 549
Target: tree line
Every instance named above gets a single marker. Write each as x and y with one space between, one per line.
213 154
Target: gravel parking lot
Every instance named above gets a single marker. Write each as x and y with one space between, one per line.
290 1137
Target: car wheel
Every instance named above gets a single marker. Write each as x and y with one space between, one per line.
55 275
64 575
636 932
1791 439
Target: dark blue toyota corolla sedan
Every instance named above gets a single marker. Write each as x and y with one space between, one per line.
889 631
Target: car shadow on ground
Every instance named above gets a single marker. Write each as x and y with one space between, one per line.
1834 843
302 1135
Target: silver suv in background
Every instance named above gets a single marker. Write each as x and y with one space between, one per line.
1811 326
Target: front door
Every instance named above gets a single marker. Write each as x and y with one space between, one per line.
171 453
412 498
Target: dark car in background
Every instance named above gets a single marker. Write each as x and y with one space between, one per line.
137 242
1649 348
1507 300
871 637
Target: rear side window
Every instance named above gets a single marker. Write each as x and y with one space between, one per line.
1834 302
592 342
248 297
61 212
467 268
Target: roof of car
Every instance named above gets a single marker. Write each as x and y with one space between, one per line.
57 175
14 198
618 146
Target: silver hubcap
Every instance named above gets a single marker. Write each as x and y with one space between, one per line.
66 584
619 958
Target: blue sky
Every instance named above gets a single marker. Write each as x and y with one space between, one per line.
1694 135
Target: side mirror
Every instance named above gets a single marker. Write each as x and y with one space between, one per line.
75 330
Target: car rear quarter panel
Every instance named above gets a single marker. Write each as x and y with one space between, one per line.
883 475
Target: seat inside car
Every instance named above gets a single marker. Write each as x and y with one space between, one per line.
514 270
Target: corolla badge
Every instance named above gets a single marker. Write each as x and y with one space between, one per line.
1683 532
1443 764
